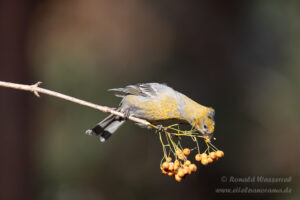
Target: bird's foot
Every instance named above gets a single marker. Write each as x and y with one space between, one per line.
160 128
126 114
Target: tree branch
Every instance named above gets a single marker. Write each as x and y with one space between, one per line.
36 90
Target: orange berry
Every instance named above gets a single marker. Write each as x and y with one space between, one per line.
176 167
210 160
198 157
189 171
204 155
212 155
165 165
169 159
219 154
180 172
193 167
170 173
178 151
204 161
181 156
186 151
163 171
177 162
171 167
178 178
187 163
185 170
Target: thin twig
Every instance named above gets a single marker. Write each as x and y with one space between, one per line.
36 90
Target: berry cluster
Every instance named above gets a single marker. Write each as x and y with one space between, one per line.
212 156
182 167
172 148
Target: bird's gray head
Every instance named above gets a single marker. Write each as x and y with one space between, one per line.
206 124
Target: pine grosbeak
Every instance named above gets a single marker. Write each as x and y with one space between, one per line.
156 102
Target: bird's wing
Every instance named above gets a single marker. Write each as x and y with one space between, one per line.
140 89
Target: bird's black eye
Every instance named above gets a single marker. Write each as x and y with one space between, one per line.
205 127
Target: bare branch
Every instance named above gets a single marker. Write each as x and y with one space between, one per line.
36 90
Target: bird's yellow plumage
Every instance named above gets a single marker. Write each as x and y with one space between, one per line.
159 109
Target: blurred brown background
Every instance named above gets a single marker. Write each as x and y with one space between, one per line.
240 57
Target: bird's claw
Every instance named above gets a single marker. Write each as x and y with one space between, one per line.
126 114
160 128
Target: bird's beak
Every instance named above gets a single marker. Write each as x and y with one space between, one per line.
205 133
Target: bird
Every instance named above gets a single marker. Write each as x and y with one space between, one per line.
156 103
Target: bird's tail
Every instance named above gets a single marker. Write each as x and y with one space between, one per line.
106 127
